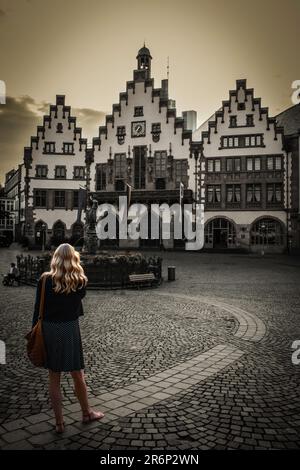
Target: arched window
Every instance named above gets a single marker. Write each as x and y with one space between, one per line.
58 232
40 233
267 231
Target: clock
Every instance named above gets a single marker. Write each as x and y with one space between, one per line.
138 129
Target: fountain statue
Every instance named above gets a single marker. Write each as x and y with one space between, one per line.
90 236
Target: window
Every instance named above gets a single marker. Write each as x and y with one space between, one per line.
59 128
213 165
274 193
253 164
253 194
75 199
49 147
278 163
254 140
217 166
233 164
241 106
121 130
120 165
41 171
180 172
156 128
138 111
233 121
249 120
121 133
267 232
160 164
79 172
101 177
119 185
60 172
213 194
59 198
257 164
40 198
274 163
233 193
68 148
10 206
139 163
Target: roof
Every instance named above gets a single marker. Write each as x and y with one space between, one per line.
144 51
290 120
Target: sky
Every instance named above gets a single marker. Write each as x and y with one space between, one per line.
87 51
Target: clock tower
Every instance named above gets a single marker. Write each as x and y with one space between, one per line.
143 63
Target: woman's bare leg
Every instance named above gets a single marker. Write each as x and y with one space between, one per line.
81 394
55 396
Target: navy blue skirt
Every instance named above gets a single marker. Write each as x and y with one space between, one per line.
63 346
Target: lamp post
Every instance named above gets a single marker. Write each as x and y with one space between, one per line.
43 236
263 231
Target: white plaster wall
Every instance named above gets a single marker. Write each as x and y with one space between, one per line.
151 115
52 160
260 127
78 159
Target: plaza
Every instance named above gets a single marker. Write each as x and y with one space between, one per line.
203 362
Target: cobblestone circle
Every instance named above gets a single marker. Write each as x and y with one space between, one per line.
200 363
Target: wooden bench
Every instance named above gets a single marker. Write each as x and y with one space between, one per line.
142 279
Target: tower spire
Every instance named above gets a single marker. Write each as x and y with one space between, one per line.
168 68
144 60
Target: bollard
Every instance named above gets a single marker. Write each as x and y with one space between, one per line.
171 273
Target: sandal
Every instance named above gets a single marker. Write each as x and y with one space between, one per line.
60 427
91 416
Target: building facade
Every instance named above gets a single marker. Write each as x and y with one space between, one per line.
14 191
145 145
238 164
290 121
244 176
54 170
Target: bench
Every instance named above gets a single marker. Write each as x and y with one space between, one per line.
142 279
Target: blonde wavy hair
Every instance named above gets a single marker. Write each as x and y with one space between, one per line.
66 270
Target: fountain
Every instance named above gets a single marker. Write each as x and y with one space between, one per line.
104 269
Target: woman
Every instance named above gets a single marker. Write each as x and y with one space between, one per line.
64 288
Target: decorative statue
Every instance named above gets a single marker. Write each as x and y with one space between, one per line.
91 214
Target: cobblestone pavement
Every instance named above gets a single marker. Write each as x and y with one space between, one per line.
200 363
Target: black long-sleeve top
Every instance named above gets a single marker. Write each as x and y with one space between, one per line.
58 307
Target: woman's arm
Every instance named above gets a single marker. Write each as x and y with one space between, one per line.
37 303
82 292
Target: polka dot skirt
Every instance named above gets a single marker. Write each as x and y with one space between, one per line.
63 346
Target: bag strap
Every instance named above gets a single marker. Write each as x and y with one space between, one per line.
42 299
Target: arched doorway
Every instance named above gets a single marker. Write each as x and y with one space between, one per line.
77 234
220 233
58 231
40 234
267 232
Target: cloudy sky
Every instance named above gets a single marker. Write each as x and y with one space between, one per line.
87 50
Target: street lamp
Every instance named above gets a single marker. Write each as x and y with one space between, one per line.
43 236
263 231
